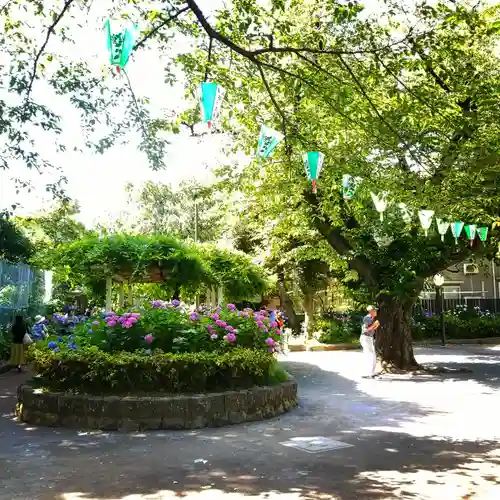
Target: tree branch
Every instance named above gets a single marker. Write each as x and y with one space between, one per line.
274 50
339 243
155 30
50 31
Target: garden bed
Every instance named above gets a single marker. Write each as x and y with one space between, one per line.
159 367
149 412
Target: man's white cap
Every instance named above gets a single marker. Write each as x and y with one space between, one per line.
371 308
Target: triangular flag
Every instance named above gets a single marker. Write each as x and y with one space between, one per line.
380 203
120 41
211 96
268 140
482 232
313 163
456 229
425 217
442 227
349 186
471 232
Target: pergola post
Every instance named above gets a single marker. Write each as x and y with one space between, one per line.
130 298
220 295
121 294
109 296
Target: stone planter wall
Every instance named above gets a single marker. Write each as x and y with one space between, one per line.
135 413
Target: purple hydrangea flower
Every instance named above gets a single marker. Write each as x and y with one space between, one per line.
194 316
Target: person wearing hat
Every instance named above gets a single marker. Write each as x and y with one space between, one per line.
368 329
39 330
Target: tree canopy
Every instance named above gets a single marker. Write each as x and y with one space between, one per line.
405 98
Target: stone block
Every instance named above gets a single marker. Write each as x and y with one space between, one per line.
174 411
206 410
236 406
72 405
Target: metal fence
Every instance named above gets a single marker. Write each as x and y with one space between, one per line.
22 289
433 306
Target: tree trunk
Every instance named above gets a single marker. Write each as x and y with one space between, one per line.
393 339
308 305
177 293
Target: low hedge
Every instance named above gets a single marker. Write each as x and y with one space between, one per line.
90 370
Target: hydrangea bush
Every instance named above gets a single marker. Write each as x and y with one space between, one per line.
170 328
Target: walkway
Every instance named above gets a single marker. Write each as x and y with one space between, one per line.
410 438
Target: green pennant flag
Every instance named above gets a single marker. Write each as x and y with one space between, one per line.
482 232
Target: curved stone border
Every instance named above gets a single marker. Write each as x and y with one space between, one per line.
137 413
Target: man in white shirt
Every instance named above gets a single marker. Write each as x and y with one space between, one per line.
368 329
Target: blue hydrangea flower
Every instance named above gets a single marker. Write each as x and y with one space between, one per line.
90 330
60 339
52 345
72 346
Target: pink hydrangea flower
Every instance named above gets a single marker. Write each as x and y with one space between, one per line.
270 341
214 336
148 338
111 323
273 324
231 307
215 316
96 323
230 337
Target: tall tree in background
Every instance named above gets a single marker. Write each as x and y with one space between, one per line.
14 245
407 99
192 212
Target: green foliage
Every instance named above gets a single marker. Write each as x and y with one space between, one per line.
339 328
91 370
5 339
14 245
461 323
193 212
134 257
235 271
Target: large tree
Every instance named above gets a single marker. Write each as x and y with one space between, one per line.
406 99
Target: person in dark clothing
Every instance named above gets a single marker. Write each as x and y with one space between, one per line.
19 330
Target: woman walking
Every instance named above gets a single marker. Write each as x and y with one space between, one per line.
19 331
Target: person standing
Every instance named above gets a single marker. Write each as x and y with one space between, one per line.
19 330
368 329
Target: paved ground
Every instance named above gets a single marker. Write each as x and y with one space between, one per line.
412 438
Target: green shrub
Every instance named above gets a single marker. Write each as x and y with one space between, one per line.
5 339
459 324
90 370
339 329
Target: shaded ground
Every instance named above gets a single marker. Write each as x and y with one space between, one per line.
412 438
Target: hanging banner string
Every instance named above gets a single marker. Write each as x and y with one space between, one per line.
209 59
136 103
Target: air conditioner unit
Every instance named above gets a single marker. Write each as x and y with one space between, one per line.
471 268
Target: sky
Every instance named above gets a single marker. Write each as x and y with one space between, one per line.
96 181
